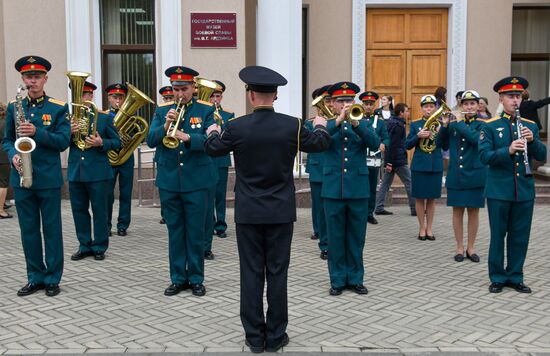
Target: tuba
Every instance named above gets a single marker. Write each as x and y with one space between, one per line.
132 129
432 124
205 89
83 112
23 145
324 110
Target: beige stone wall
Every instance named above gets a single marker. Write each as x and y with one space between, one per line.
489 47
223 64
329 51
3 94
34 27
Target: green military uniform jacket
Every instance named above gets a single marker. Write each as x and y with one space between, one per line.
92 164
465 168
505 175
345 171
314 160
186 168
423 161
224 161
381 130
53 132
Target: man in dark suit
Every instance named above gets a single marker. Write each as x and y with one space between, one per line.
264 145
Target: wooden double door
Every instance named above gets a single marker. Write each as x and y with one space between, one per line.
406 53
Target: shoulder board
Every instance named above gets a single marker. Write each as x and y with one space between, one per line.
233 119
481 119
106 112
166 104
13 101
205 102
527 120
492 119
55 101
416 120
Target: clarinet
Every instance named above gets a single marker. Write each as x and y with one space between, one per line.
519 126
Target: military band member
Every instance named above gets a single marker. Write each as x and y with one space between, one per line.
167 93
374 157
89 174
314 167
426 170
184 176
220 226
510 190
264 145
346 191
39 207
116 94
466 174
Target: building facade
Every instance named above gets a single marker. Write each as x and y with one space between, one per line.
405 48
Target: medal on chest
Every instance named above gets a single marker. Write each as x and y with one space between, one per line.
195 122
500 132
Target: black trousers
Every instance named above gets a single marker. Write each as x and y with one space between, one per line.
264 254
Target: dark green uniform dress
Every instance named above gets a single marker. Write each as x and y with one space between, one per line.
426 167
184 177
314 167
39 208
466 174
510 195
89 174
345 193
378 124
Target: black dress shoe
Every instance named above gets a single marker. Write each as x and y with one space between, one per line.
324 255
162 221
372 220
430 237
359 289
335 290
52 290
315 236
29 289
254 349
383 212
79 255
274 348
121 232
198 289
221 234
520 287
208 255
496 287
422 238
174 289
473 257
99 256
459 257
413 213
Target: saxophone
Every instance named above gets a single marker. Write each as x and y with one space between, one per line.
23 145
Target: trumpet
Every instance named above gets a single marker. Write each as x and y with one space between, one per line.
355 112
170 140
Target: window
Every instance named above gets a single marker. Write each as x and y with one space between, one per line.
531 52
128 46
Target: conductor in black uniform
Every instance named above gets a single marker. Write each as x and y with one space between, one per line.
264 144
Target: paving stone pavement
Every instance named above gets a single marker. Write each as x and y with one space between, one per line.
420 301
